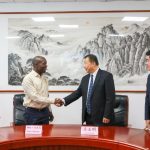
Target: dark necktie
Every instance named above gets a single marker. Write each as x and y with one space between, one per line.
88 103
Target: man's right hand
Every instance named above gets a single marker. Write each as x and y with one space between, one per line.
58 102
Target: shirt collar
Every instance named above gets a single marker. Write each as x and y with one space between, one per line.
95 73
35 73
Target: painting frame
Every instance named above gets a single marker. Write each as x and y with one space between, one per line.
108 13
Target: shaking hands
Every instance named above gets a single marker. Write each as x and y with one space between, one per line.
59 102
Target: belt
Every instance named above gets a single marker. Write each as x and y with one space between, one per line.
36 109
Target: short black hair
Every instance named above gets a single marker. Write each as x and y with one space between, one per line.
148 53
92 58
37 59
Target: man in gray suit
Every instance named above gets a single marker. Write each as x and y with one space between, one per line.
98 94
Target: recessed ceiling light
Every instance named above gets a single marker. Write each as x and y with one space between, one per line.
56 35
42 19
13 37
134 18
68 26
122 35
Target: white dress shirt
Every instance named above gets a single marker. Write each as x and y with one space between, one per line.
94 76
36 91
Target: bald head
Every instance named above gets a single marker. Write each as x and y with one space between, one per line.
39 64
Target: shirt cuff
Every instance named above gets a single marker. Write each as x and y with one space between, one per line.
63 101
52 101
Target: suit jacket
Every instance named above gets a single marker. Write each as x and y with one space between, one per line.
147 99
103 97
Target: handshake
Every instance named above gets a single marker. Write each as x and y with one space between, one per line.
59 102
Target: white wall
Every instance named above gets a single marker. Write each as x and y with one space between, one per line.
72 113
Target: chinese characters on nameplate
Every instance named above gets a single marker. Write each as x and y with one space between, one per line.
89 130
33 130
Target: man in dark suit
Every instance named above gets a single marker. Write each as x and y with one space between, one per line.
147 98
97 97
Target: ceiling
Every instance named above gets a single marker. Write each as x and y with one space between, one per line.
34 1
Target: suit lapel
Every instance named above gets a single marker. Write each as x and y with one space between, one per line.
148 84
87 82
97 80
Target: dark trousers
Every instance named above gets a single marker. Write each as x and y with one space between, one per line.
90 122
88 119
35 116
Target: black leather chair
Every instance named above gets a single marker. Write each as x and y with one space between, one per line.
18 110
120 109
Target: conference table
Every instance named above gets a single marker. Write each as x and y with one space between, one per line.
68 137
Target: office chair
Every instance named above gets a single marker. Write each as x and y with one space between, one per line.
121 110
18 110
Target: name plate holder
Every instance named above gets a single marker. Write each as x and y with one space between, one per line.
89 130
33 130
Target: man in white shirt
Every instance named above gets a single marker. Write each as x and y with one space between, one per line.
36 101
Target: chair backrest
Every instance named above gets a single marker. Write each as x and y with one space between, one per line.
18 110
121 110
